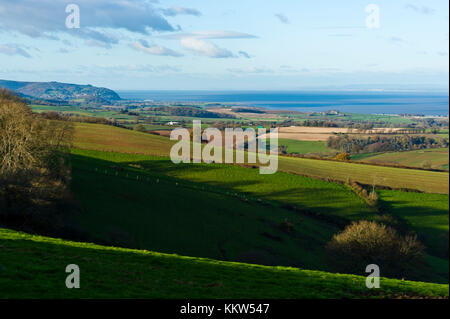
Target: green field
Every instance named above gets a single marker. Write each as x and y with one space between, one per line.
32 266
161 213
426 214
305 147
108 138
245 224
303 192
432 158
397 178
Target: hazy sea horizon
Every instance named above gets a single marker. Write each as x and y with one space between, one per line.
370 102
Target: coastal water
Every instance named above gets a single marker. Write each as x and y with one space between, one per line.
429 103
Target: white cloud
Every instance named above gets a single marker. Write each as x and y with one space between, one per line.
282 18
251 70
13 49
196 42
244 54
205 48
176 10
154 49
220 34
135 68
46 18
396 40
420 9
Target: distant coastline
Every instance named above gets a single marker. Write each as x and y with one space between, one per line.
365 102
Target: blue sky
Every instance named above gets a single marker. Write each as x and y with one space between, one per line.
227 45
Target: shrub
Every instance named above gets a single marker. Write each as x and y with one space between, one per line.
363 243
343 157
427 165
287 226
140 128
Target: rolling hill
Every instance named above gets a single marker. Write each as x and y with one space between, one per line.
60 91
32 266
432 158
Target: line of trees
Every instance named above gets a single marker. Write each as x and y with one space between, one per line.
189 111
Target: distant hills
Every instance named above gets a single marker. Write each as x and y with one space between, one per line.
56 91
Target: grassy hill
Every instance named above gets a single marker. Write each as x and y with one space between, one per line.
112 139
60 91
219 211
32 266
434 158
222 211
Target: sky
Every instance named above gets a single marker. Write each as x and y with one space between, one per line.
228 45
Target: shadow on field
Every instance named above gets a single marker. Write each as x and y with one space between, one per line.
435 239
125 206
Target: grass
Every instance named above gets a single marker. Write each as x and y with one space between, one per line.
241 228
304 147
397 178
303 192
110 138
435 158
32 266
113 139
426 214
170 215
362 156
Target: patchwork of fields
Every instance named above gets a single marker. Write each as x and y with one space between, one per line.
112 139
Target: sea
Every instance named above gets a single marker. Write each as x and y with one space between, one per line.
371 102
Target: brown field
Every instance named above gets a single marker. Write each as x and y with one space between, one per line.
165 133
113 139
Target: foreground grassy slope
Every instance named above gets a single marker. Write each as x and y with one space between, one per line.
148 210
34 266
434 158
107 138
